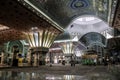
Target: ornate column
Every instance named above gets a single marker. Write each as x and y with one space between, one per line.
2 58
68 50
40 40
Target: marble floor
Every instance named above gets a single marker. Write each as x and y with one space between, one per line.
11 75
79 72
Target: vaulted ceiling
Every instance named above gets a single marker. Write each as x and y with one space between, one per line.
19 16
64 12
86 24
11 35
93 37
15 20
15 15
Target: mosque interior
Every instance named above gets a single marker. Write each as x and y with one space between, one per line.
39 32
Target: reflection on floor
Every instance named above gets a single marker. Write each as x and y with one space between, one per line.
11 75
56 72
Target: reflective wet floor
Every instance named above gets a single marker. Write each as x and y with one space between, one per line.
11 75
57 73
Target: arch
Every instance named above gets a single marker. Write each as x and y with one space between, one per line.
93 37
15 43
97 43
86 15
86 24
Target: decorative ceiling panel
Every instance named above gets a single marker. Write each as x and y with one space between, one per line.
16 19
64 11
116 23
11 35
15 15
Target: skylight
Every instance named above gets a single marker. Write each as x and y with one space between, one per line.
86 18
83 20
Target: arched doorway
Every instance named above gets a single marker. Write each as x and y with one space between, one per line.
95 43
15 50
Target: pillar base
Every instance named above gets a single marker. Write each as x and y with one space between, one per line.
15 63
38 56
42 56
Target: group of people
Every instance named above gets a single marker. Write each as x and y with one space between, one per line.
72 62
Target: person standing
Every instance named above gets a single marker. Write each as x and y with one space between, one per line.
95 61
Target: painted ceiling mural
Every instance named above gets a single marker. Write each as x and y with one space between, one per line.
64 11
16 21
